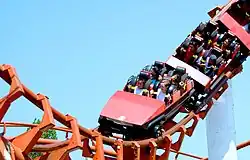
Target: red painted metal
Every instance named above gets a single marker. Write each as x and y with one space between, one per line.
125 106
236 28
91 142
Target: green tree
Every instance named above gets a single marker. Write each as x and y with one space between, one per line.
50 134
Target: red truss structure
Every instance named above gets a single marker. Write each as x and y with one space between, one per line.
92 142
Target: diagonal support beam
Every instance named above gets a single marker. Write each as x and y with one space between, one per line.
27 140
74 144
7 72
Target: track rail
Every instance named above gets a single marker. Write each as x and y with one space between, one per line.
91 142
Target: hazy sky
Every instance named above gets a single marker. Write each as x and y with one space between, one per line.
79 53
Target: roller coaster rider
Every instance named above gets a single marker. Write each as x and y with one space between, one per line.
155 75
189 53
162 93
139 88
208 66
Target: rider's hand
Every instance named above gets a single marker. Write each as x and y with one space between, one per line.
151 92
160 78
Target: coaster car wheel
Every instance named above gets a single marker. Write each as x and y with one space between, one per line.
158 131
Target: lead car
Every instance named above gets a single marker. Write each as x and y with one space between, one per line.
136 115
138 112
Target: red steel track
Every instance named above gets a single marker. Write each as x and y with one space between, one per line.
91 142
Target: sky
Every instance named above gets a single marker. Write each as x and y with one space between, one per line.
78 53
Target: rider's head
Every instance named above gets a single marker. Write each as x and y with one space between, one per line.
140 83
212 59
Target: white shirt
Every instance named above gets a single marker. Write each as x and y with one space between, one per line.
138 91
160 95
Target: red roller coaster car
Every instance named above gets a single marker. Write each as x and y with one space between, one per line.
196 73
128 111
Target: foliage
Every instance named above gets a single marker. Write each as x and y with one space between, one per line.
50 134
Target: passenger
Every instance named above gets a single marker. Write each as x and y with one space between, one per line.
225 44
203 55
155 75
130 88
235 49
172 84
234 45
226 53
189 53
201 59
209 67
207 49
175 79
162 91
181 52
168 97
166 77
220 39
139 88
130 83
155 72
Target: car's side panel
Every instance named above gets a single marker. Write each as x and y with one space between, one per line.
131 108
